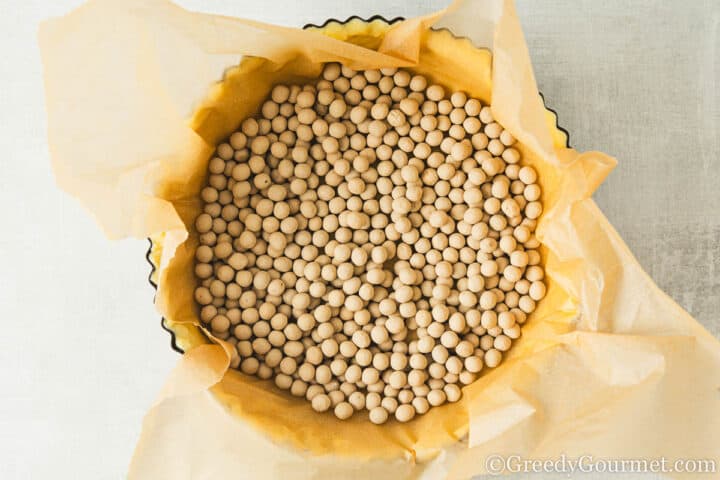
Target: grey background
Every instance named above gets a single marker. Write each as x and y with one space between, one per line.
81 352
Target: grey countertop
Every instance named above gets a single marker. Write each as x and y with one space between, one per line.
640 82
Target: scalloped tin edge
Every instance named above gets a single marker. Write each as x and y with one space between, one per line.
163 321
351 18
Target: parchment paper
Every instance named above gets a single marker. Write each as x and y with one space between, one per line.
608 365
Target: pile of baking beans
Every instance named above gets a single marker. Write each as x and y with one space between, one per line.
367 242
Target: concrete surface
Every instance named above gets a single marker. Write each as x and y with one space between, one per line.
640 82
